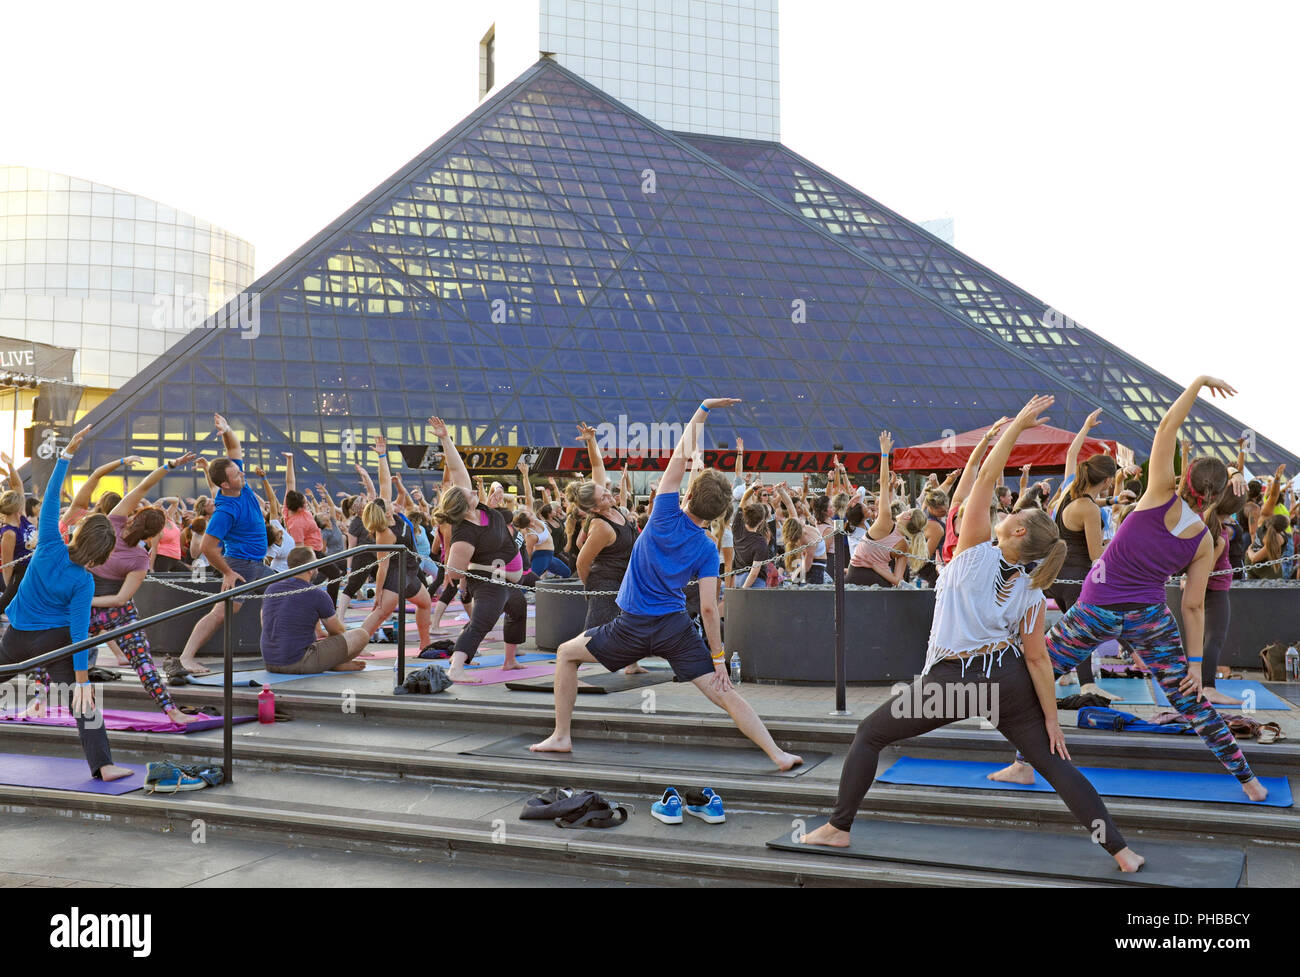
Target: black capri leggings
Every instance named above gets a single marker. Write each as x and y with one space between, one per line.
15 578
487 601
358 577
1218 615
1007 696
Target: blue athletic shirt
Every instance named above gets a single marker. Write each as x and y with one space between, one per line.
238 523
668 553
55 592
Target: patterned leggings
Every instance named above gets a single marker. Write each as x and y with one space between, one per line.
1153 634
134 645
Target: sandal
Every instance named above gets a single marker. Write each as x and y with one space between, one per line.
1270 733
175 671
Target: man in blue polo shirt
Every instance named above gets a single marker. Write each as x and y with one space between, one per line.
673 549
235 541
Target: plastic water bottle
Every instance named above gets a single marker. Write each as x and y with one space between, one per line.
266 705
1292 664
735 668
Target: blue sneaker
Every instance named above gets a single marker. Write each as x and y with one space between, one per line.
166 778
669 808
710 812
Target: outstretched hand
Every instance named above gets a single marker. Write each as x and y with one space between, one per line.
220 423
713 402
1031 415
1091 421
1217 387
184 459
585 431
439 427
77 438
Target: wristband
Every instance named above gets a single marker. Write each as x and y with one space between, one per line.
703 408
1196 659
719 660
84 685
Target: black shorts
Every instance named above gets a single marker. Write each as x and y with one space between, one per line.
630 637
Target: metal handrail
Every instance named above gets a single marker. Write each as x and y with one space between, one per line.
227 597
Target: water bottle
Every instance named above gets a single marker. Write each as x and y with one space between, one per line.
1096 666
735 668
1292 664
266 705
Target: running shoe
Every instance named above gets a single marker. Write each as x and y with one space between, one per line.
167 778
709 812
669 808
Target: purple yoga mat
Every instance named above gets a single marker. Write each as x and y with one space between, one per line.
63 773
494 676
125 720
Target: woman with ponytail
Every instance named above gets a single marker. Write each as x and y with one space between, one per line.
987 637
1123 596
118 578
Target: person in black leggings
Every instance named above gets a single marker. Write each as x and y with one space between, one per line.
993 612
1218 605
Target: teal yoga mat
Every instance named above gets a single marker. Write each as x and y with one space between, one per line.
246 679
1171 785
1237 688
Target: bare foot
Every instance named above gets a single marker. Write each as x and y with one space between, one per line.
109 772
459 674
1128 860
512 666
35 711
828 835
1067 680
636 669
366 654
1255 790
1219 698
553 744
787 761
1092 688
181 718
1017 773
193 667
349 666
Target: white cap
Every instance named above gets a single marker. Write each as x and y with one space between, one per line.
738 492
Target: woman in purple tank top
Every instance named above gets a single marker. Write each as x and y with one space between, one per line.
1124 593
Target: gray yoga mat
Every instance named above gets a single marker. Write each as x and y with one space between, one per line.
652 756
600 684
1065 857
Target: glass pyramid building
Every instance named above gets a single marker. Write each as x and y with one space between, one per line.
558 257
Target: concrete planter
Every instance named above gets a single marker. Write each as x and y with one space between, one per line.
170 636
1261 614
560 614
786 634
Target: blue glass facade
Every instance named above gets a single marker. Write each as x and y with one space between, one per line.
558 258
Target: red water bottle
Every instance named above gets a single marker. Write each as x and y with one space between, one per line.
266 705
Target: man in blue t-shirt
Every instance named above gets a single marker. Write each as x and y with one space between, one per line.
235 541
673 549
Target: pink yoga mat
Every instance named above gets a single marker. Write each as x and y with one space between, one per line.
126 720
495 676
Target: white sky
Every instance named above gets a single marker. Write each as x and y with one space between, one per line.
1132 164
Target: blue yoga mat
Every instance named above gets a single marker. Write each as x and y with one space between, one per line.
1237 688
64 773
496 661
1169 785
245 679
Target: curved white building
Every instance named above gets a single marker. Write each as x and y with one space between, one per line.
112 275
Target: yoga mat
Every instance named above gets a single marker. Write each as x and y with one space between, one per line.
495 676
1133 691
250 665
1290 691
1235 687
1170 785
652 756
600 684
247 679
1054 856
492 661
64 773
125 720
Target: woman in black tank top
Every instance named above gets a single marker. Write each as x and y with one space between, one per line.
611 534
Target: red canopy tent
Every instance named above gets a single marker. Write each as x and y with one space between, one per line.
1040 447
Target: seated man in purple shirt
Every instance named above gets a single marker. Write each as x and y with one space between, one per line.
301 634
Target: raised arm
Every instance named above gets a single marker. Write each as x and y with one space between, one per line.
367 486
290 477
525 486
234 450
740 461
81 501
973 463
1076 446
385 473
587 435
1162 479
134 497
272 502
672 476
884 521
976 528
47 526
453 465
15 480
